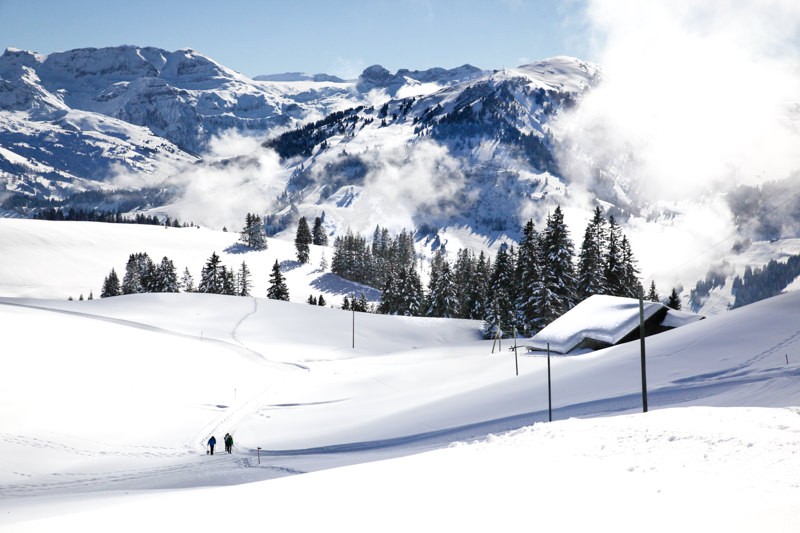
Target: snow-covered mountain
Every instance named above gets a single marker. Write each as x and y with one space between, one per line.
477 154
462 155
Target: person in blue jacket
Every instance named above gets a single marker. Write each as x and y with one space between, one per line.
211 443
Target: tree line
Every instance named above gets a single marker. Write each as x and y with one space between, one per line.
522 289
764 282
113 217
143 275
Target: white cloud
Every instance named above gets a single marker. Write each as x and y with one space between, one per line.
697 97
699 94
236 176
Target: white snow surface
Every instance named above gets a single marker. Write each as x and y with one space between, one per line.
106 405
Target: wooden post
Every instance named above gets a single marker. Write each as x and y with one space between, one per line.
258 451
549 390
641 343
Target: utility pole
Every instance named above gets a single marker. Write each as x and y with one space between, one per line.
549 390
641 342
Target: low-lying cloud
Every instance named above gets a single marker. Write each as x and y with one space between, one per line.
235 177
697 97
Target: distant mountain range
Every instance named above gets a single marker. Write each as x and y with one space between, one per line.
70 121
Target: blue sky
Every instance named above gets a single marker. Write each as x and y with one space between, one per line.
335 37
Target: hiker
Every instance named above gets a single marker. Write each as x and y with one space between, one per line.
211 443
228 443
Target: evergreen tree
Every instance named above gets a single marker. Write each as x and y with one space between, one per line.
614 272
139 274
558 274
91 296
411 295
652 295
321 301
243 284
591 261
630 279
187 281
674 301
463 278
390 294
346 304
500 313
166 278
360 304
111 286
302 240
441 300
312 300
529 279
212 276
277 289
228 282
252 235
318 235
479 294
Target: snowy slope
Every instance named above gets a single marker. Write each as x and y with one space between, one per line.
105 407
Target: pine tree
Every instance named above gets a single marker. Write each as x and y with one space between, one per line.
243 284
318 235
312 300
111 286
390 294
529 279
463 277
500 313
277 289
558 274
614 271
346 304
166 278
212 276
674 301
228 282
630 279
479 295
139 274
321 301
302 240
591 261
360 304
252 235
187 281
411 294
441 300
652 295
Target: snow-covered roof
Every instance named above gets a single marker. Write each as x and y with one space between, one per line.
604 320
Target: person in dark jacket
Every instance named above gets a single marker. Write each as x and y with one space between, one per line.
228 443
211 443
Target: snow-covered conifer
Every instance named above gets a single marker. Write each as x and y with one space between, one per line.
302 240
277 289
318 235
591 260
111 286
